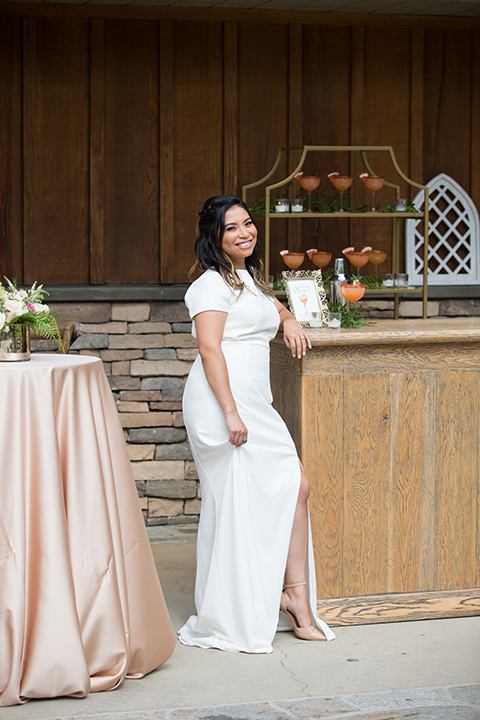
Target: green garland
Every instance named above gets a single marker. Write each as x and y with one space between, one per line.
320 203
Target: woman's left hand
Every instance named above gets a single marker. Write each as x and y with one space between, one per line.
296 338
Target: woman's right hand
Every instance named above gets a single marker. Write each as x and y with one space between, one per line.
210 325
238 432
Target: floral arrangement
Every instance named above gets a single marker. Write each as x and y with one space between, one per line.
26 307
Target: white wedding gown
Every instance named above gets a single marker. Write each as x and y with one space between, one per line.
249 494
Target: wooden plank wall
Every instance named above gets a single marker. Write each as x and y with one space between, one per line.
115 128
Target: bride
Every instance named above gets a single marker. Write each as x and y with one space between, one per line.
254 550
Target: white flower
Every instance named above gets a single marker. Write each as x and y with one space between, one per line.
14 309
40 308
2 320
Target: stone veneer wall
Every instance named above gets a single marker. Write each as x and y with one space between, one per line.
147 350
383 309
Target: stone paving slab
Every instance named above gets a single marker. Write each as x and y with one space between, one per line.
172 533
468 694
437 703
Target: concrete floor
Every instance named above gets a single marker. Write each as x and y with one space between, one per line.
427 670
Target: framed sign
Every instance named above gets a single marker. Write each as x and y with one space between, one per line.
306 297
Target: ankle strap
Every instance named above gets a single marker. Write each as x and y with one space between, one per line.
294 585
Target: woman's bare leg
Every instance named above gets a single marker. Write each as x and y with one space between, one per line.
297 557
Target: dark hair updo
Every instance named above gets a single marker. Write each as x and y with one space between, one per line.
208 247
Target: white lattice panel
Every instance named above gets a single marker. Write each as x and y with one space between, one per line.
453 236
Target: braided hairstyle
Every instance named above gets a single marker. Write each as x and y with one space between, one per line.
208 247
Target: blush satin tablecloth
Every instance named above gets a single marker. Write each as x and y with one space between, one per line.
81 607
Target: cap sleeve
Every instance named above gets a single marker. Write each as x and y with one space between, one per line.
209 292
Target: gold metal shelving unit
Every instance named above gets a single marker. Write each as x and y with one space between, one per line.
396 217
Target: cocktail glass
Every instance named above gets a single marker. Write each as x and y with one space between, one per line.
303 299
293 260
340 183
358 259
321 259
309 183
352 292
373 183
376 258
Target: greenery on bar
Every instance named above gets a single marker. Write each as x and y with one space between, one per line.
349 318
368 281
323 204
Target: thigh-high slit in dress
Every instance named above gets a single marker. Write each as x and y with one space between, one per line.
249 494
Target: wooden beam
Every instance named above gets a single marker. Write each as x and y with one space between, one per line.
357 73
395 607
230 109
167 179
475 123
417 71
295 119
284 17
11 176
97 118
29 134
16 218
295 86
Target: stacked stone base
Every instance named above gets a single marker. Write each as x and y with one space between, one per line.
147 351
384 309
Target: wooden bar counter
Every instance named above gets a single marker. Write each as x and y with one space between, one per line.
387 422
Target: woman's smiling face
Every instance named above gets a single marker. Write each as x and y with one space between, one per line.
239 237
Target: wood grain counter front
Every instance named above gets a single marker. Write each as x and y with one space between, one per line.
387 422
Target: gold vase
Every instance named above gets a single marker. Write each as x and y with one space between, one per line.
15 343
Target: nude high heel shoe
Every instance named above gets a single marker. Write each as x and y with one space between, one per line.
307 633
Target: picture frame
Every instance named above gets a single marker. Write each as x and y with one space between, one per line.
306 295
